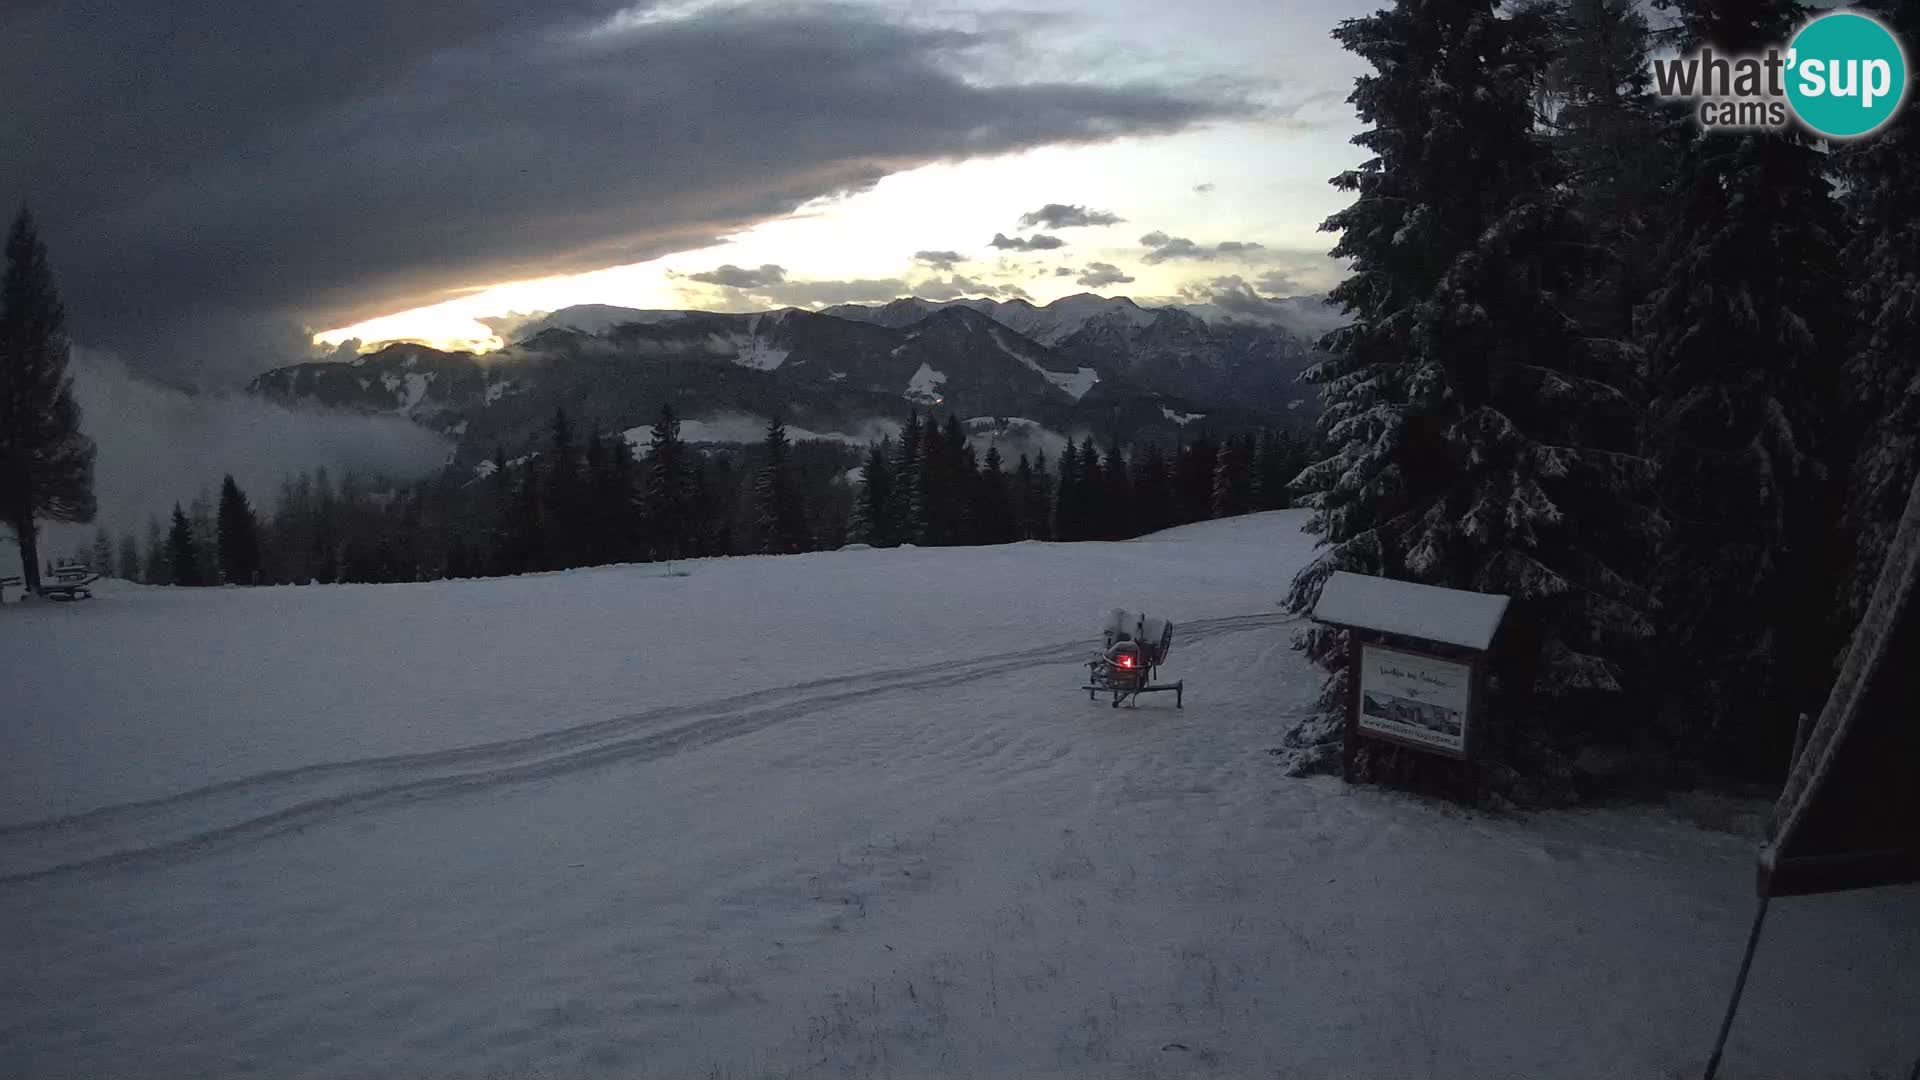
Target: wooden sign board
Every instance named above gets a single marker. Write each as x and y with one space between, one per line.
1415 658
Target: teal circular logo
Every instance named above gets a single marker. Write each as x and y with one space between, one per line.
1846 75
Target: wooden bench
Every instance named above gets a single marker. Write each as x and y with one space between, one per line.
6 582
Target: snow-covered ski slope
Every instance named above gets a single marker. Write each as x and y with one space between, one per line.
840 814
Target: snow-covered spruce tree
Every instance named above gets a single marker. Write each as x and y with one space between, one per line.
1464 450
1882 373
1619 150
1742 339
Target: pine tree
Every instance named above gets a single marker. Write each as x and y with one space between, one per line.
1152 496
1619 153
1233 478
779 518
1040 519
1117 518
1023 499
1740 336
128 568
871 506
239 535
159 566
672 477
566 526
1270 473
1193 478
1467 448
100 555
1067 513
906 478
530 547
930 509
962 474
324 556
206 538
1883 373
993 512
183 556
1090 492
46 464
625 502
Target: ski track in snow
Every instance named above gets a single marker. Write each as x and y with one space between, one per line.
256 807
946 863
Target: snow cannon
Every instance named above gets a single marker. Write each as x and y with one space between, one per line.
1132 649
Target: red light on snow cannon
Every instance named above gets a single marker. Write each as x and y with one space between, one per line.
1125 660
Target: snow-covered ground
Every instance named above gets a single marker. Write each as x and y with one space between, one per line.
840 814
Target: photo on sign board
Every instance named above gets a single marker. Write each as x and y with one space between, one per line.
1400 710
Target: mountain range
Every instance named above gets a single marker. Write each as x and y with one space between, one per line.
1082 364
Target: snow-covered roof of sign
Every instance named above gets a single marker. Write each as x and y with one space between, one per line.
1450 616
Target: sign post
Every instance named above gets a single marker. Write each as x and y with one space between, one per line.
1415 660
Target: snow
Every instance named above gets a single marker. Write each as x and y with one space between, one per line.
924 386
829 815
1450 616
590 319
414 384
757 353
498 390
1074 384
1181 417
748 428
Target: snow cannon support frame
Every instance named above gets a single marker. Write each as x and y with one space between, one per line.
1129 661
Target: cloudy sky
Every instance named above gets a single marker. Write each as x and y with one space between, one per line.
221 183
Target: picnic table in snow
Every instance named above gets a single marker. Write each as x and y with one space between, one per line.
68 583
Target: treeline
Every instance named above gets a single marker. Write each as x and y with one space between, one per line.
1658 383
573 502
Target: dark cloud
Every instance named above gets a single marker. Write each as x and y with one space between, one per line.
939 260
214 178
1203 189
960 285
822 293
1064 271
1099 274
1061 216
1280 283
1307 313
1036 242
1162 248
734 277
